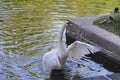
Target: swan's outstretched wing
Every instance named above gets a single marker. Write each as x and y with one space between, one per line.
79 49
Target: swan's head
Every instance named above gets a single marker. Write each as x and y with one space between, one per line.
68 23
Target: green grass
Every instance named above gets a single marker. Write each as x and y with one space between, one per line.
113 27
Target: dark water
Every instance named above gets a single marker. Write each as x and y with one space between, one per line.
30 28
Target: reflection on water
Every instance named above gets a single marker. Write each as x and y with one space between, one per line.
29 28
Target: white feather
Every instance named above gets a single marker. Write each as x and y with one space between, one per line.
78 49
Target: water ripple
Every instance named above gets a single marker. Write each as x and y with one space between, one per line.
29 29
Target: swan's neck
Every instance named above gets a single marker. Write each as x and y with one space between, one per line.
61 43
62 50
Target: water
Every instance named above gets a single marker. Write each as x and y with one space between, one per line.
30 28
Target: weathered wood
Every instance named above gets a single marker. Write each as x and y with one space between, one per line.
83 29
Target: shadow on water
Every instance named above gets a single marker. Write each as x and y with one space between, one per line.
105 62
57 75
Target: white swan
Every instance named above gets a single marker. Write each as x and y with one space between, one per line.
56 58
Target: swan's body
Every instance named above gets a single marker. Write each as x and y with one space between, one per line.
56 58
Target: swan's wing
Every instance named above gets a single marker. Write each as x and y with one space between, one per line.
91 48
79 49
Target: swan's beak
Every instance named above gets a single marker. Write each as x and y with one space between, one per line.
69 24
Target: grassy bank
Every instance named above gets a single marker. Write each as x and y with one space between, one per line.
113 26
